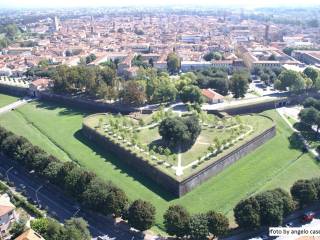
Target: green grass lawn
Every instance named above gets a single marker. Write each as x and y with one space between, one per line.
6 99
57 130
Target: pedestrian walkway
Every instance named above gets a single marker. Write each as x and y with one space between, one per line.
14 105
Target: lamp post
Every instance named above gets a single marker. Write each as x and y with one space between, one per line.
37 190
7 173
76 212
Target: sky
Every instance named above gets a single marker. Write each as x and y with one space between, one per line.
98 3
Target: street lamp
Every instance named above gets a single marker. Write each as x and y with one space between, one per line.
76 212
37 190
7 172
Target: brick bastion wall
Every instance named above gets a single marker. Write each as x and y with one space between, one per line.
13 90
175 186
87 104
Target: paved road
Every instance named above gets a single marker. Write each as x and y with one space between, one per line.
57 204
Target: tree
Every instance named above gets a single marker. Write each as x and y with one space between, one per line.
165 91
272 57
271 209
309 116
177 131
76 229
176 220
191 94
54 230
247 213
288 50
4 42
40 161
141 215
212 55
311 102
52 171
18 227
239 85
292 80
198 227
311 73
96 196
288 204
218 224
11 31
173 63
90 58
48 228
304 192
116 201
265 78
133 93
77 180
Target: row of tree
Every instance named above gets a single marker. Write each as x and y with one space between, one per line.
214 78
150 86
92 192
95 81
269 208
50 229
296 81
267 75
178 222
217 78
265 209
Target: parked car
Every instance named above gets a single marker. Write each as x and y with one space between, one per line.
289 224
264 237
308 216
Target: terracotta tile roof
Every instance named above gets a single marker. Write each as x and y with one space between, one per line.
30 235
43 82
209 93
5 205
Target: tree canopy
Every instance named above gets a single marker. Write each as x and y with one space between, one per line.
290 80
173 63
191 94
178 131
212 56
141 215
176 220
267 208
239 84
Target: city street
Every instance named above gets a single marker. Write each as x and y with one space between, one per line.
57 204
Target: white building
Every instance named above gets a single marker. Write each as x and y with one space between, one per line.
7 213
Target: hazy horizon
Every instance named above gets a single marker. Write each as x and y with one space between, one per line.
145 3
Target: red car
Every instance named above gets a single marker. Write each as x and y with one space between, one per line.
308 216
